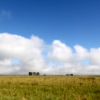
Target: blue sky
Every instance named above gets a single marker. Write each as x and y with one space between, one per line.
68 30
71 21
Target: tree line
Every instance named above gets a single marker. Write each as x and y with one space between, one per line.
37 74
33 73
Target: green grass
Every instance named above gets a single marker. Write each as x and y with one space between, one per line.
49 88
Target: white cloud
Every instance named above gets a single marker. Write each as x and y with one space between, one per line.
28 51
5 14
95 56
81 53
60 52
59 59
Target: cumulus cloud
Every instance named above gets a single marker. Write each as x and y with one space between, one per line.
60 52
19 55
95 56
28 51
81 53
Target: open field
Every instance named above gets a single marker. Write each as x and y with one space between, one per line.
49 88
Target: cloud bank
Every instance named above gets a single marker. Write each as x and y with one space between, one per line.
19 55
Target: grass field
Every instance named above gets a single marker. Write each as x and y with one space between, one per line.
49 88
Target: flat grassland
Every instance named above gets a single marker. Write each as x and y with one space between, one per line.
49 88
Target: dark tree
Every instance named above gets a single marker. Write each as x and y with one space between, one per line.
71 74
30 73
37 73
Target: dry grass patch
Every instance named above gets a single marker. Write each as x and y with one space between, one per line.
49 88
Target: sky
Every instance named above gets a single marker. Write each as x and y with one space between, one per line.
50 36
